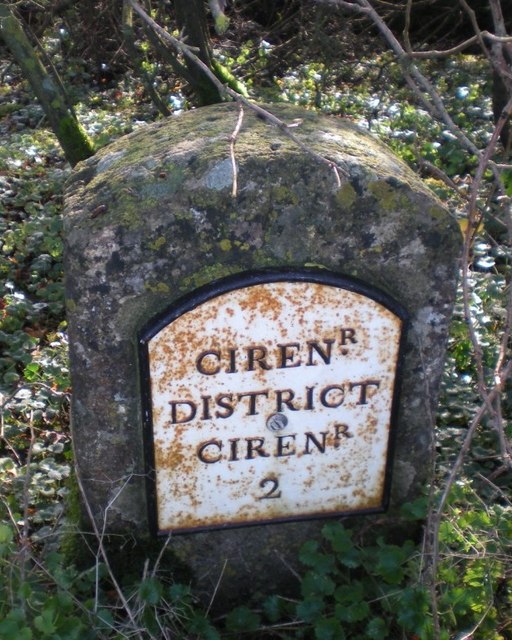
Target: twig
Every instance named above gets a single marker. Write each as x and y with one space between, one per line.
160 555
483 409
468 635
288 565
495 487
476 28
285 128
24 533
232 141
439 174
102 550
407 26
217 585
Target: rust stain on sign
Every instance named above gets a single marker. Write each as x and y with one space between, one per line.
272 401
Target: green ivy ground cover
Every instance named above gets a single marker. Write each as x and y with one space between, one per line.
347 590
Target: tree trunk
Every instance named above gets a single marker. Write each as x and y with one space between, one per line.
72 138
191 19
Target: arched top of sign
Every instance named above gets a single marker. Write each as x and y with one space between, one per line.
254 278
270 396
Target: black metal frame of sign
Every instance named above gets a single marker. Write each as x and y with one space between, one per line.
245 280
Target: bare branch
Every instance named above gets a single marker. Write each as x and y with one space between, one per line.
407 26
100 535
434 53
342 4
436 515
476 28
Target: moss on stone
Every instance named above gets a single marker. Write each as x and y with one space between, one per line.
75 142
158 287
72 546
284 195
384 193
437 213
130 211
390 197
207 274
346 196
226 244
158 243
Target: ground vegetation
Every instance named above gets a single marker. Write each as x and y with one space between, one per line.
431 78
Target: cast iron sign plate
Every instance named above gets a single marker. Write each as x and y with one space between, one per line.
270 396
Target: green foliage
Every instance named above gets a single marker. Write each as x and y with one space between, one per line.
359 591
475 586
348 590
373 591
59 602
242 620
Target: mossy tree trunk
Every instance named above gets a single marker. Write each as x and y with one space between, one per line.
72 138
191 19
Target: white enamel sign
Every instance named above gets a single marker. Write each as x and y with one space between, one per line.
271 400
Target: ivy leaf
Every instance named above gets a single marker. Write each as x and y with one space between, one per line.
202 627
341 542
317 584
273 607
45 623
329 629
311 556
347 594
377 629
150 591
352 613
71 629
106 618
309 610
242 619
6 536
390 563
415 510
413 610
13 627
178 592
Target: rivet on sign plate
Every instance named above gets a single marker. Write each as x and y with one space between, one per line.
277 422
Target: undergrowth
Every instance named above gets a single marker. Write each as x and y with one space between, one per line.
347 589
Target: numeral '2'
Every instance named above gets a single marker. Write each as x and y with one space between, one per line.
272 492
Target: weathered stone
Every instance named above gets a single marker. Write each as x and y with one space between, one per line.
152 217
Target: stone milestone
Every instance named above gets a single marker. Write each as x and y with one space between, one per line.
256 339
